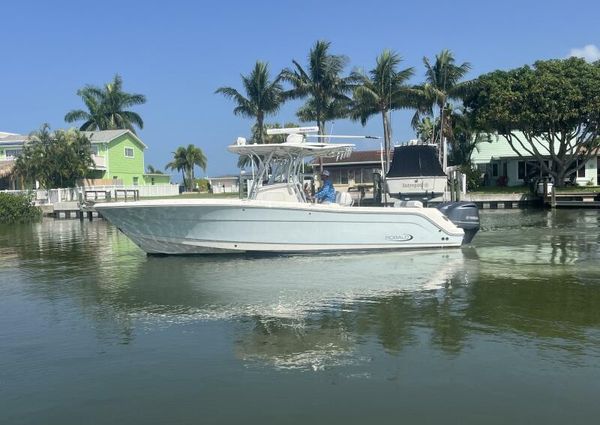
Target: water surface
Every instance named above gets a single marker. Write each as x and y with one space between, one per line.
505 331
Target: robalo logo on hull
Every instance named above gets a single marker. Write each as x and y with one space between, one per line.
398 238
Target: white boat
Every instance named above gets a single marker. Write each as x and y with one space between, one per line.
415 173
277 216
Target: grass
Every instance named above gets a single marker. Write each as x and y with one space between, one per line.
500 190
578 189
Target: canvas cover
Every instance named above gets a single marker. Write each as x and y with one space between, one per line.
415 161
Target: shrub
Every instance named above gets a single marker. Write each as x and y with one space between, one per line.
18 208
502 181
474 180
203 185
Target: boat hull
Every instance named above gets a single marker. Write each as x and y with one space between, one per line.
416 187
235 226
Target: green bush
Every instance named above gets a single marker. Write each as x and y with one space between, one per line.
18 208
203 185
474 180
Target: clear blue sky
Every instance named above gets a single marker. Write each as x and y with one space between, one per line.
177 53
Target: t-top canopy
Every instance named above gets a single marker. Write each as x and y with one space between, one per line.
294 149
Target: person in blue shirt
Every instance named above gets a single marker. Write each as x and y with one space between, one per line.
327 193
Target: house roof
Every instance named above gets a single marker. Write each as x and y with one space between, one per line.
12 139
224 178
100 136
499 148
104 136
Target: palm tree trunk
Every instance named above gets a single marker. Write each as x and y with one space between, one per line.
386 141
321 125
190 182
441 144
259 122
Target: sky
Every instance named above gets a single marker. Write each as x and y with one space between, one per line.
178 53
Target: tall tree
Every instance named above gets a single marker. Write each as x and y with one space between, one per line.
107 107
464 137
150 169
322 84
263 96
55 159
424 130
179 164
443 82
548 111
185 159
381 91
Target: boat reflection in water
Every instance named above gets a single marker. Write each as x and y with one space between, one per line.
302 311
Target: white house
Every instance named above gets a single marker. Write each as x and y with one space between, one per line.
501 165
224 184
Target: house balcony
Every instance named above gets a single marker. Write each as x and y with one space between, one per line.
99 161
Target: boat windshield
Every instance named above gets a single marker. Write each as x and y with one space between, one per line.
282 163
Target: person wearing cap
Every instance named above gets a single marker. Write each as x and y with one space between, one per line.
327 193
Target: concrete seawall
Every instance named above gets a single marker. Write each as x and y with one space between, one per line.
503 200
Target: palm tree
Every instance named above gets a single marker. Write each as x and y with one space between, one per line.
263 96
94 118
464 137
424 130
178 163
151 170
327 91
443 82
381 91
107 107
185 159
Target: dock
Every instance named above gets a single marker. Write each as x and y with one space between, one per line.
83 208
574 199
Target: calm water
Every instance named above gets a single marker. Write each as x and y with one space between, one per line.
508 331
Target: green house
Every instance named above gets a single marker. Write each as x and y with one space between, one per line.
118 157
501 165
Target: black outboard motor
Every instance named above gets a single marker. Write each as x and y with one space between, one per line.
464 215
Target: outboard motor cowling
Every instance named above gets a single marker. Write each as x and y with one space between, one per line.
464 215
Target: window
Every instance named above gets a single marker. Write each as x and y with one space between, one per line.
505 169
95 150
344 174
13 153
521 172
335 176
581 171
135 181
367 175
495 169
351 176
128 152
358 176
